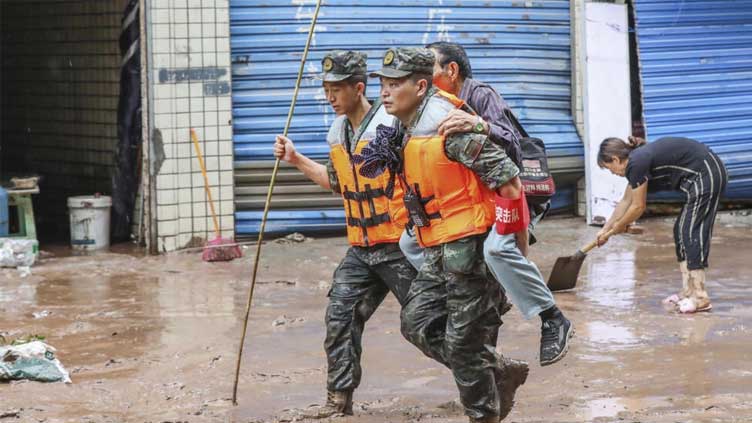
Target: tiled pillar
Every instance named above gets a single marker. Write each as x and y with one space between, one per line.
190 64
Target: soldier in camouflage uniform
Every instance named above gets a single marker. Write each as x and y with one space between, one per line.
370 269
451 309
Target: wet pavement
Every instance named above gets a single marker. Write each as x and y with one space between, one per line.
155 339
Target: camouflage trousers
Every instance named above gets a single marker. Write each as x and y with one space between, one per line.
361 282
451 315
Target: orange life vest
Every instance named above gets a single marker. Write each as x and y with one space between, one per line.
457 202
372 217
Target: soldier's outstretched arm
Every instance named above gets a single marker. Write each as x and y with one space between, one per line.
284 149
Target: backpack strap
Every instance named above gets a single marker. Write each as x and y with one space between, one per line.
517 124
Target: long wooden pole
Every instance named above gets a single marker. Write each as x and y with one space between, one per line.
268 202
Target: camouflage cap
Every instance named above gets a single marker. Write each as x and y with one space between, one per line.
403 61
338 65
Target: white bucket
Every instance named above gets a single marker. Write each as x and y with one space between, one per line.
90 222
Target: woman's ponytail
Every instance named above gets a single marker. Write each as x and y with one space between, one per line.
635 142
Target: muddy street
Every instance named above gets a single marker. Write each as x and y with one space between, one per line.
154 339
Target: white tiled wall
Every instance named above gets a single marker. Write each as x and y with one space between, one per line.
191 58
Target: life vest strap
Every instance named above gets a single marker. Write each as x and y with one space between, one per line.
368 222
367 194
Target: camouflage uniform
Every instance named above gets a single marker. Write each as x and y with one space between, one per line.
361 282
451 312
366 274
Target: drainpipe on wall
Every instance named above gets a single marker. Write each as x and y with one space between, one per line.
147 172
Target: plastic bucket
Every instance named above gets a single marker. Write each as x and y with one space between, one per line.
89 222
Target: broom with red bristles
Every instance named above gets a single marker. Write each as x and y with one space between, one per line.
217 249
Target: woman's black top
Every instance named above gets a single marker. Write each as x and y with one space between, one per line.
666 162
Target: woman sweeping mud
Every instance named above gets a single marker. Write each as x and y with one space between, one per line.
677 164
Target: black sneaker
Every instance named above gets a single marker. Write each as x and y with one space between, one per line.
511 375
555 334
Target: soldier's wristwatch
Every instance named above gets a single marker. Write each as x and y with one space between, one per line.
480 127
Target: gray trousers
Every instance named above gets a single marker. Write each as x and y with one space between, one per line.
519 276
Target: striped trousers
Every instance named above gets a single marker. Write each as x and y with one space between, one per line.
694 227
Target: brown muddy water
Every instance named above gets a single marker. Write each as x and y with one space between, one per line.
154 339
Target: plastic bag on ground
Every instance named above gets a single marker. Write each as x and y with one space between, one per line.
18 252
31 361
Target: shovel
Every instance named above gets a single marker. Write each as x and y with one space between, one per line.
566 269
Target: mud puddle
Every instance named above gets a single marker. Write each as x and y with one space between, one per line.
154 339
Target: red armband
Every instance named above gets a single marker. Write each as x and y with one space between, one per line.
512 216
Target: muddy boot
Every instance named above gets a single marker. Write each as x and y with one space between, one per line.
490 419
698 299
511 375
338 403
